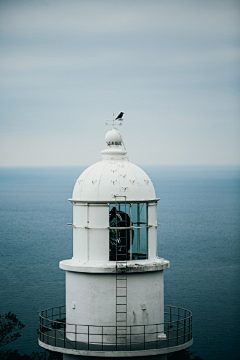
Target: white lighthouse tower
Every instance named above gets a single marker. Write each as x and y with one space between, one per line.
114 281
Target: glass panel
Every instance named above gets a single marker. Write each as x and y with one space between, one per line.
119 238
143 213
135 233
139 214
140 221
140 244
143 242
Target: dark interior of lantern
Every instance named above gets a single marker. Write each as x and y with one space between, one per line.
128 231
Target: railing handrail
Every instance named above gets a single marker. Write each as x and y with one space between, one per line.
174 331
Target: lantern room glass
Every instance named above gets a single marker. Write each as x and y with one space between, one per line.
128 231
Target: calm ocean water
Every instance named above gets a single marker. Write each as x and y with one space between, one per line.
200 215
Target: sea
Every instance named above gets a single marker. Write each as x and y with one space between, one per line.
199 212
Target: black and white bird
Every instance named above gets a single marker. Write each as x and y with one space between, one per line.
120 116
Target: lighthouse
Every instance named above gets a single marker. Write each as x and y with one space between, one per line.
114 280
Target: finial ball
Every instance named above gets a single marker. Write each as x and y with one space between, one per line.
113 137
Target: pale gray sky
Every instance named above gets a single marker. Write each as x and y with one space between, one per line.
171 66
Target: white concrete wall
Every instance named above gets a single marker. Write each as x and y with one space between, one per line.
94 296
80 244
80 215
90 233
91 300
145 298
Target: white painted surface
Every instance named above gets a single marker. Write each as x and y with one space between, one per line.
109 267
113 136
94 298
103 180
99 244
80 215
98 216
80 244
90 232
152 231
145 288
144 354
114 175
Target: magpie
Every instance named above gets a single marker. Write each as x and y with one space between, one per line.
120 116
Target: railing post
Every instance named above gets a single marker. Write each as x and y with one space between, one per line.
43 334
102 338
184 328
88 337
40 322
130 338
168 334
75 336
64 334
177 330
156 336
55 336
191 327
45 325
144 337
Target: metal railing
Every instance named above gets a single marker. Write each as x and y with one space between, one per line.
176 330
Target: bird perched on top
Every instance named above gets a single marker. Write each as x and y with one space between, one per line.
120 116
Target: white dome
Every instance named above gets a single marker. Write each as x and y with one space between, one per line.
113 176
103 180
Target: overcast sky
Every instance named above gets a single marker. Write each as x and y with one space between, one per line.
171 66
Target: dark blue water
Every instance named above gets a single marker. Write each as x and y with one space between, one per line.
200 215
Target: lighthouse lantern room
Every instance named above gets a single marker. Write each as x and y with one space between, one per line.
114 281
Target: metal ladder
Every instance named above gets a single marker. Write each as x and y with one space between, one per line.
121 288
121 306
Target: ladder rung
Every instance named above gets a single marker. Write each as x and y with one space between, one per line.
121 292
118 280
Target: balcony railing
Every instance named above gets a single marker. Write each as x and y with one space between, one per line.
176 330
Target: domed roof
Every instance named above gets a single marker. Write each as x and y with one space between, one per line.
113 176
